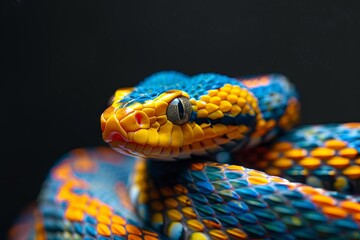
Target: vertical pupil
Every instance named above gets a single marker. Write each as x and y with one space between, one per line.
181 110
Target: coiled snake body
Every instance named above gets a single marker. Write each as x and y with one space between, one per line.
215 131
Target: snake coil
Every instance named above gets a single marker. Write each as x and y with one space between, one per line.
191 146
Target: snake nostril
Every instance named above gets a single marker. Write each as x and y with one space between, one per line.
138 118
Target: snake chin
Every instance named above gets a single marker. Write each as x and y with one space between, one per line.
147 151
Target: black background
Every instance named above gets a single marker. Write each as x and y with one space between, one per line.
62 60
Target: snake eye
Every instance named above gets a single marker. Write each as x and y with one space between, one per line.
179 110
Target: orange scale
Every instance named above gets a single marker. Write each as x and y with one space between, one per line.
195 225
348 152
235 168
356 217
108 112
256 173
324 200
103 230
216 165
272 155
79 152
323 153
282 146
140 165
273 171
68 185
63 172
150 233
335 144
310 162
142 185
39 228
258 180
167 192
95 202
211 224
174 215
338 162
296 153
351 206
117 219
309 190
79 200
270 124
118 229
74 214
64 194
352 172
85 198
334 212
278 179
132 229
77 205
78 183
103 219
180 189
284 122
105 210
171 203
92 211
197 166
189 212
138 178
352 125
357 161
283 163
84 165
148 237
218 234
237 233
143 197
133 237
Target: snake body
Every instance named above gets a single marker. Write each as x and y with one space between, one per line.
191 147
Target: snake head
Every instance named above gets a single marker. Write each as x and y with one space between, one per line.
172 116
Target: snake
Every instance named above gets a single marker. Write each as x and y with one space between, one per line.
204 157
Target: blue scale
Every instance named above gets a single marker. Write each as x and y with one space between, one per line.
214 198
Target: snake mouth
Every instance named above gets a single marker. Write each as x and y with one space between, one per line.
121 124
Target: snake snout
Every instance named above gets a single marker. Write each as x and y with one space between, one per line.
120 124
110 125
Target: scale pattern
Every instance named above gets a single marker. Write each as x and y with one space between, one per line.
98 194
85 197
220 201
325 156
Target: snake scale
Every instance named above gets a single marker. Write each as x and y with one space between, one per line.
204 157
